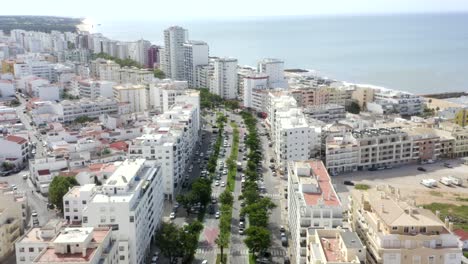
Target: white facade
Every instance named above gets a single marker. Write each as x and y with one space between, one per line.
43 170
7 89
172 59
172 141
274 68
94 89
40 69
105 70
46 92
68 111
251 84
224 79
195 54
405 104
162 94
14 147
131 202
134 75
312 203
136 95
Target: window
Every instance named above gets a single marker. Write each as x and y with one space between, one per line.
431 260
422 229
31 249
103 219
406 229
83 202
22 258
40 249
122 257
75 210
112 219
85 219
394 227
132 219
121 248
21 250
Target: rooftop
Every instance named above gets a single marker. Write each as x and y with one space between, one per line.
50 256
74 235
125 173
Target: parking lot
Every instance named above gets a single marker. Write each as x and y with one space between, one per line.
408 179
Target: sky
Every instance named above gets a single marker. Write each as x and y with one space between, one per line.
202 9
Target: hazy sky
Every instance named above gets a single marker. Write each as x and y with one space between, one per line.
171 9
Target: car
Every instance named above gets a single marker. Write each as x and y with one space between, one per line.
286 260
447 165
176 206
242 218
284 241
154 259
282 229
25 176
204 262
421 169
50 206
350 183
217 215
213 200
216 183
34 214
241 224
372 169
223 184
242 204
172 215
241 231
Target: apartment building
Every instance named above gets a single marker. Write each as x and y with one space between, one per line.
7 89
312 203
363 95
395 230
426 143
195 54
134 94
274 69
14 149
134 75
130 202
93 89
460 138
171 140
75 201
35 240
252 87
242 72
172 59
41 69
334 246
105 70
43 170
341 153
87 245
275 102
46 92
67 111
204 73
163 94
405 104
223 82
328 113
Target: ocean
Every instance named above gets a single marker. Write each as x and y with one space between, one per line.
418 53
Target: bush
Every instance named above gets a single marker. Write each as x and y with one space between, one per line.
361 186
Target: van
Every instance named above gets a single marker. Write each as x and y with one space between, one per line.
455 180
446 181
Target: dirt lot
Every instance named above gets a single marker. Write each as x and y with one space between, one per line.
408 179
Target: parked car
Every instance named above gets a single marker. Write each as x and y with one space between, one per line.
350 183
241 231
217 215
172 215
448 165
282 229
421 169
223 184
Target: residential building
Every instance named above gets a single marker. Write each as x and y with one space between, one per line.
105 70
274 69
341 153
35 240
135 94
93 89
312 203
195 54
43 170
8 115
14 149
134 75
224 79
41 69
80 245
395 230
153 57
405 104
46 92
171 140
204 73
164 94
7 89
460 138
242 72
251 85
328 113
76 199
363 95
461 117
68 111
131 203
172 60
334 246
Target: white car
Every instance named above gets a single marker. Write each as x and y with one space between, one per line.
216 183
223 184
217 215
204 262
172 216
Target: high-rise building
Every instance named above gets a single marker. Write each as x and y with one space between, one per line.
153 57
135 94
172 61
224 79
253 86
274 68
195 54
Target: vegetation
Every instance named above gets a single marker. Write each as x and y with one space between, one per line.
7 166
67 96
427 112
232 161
436 193
209 100
123 63
83 119
175 242
58 188
15 103
222 241
353 108
461 199
39 23
159 74
361 186
257 208
456 214
231 104
220 257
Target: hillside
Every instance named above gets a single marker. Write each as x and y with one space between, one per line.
38 23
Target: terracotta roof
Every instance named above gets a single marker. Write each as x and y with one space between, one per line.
119 145
327 191
16 139
43 172
462 234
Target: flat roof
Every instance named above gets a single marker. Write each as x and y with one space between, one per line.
51 256
351 240
74 235
124 173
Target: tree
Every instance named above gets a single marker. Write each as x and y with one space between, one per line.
7 166
159 74
82 119
222 241
58 188
14 103
187 201
201 189
353 107
258 238
167 240
226 197
194 228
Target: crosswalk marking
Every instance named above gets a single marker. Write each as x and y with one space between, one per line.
275 252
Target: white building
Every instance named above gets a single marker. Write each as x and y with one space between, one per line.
131 202
43 170
274 68
136 95
171 140
163 94
172 59
105 70
252 83
93 89
14 149
195 54
46 92
68 111
7 89
328 113
224 79
405 104
134 75
312 203
42 69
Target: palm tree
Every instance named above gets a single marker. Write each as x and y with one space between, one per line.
222 242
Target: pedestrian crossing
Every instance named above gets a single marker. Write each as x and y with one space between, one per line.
274 196
275 252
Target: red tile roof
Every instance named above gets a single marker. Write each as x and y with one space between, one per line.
327 191
16 139
462 234
43 172
51 256
119 145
